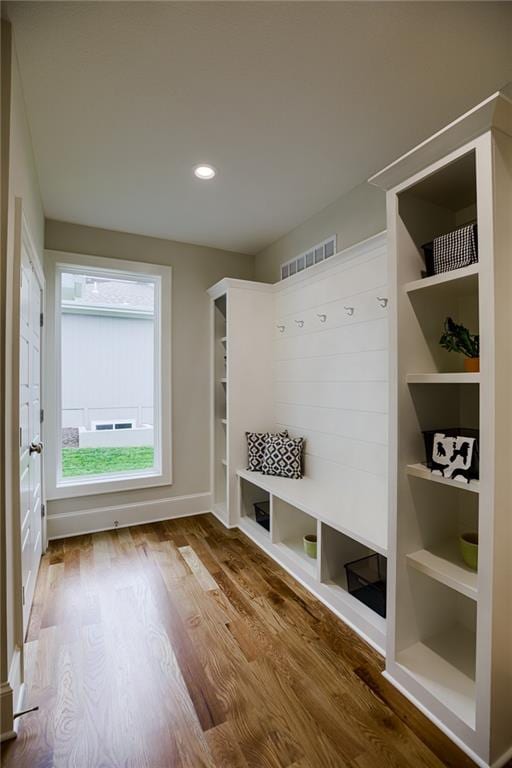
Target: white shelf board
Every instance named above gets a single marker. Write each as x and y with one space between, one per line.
294 548
422 471
224 339
444 665
223 381
224 421
224 461
443 378
340 593
322 502
443 562
249 524
459 281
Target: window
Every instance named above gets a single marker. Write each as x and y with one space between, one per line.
110 408
99 425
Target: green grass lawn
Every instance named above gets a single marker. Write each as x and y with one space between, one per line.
100 461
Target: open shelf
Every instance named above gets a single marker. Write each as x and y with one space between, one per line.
337 550
423 472
289 526
294 549
445 666
456 282
444 563
443 378
250 496
220 447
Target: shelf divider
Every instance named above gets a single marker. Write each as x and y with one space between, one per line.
443 378
423 472
443 562
465 276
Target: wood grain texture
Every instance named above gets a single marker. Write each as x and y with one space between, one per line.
181 645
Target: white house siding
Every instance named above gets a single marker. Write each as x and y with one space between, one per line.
107 369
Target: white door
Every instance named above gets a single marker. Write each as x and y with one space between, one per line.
30 427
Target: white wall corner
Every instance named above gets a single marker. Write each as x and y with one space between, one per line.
137 513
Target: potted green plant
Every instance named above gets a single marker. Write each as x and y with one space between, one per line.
457 338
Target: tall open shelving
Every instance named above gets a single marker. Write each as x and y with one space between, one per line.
449 640
242 317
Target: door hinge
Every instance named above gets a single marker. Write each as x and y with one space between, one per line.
43 510
41 319
41 415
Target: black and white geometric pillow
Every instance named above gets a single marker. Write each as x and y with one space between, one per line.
256 447
283 457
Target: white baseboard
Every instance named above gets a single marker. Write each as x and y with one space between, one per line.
12 695
103 518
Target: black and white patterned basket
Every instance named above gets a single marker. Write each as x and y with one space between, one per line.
455 250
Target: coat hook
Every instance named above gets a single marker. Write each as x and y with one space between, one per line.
322 318
383 301
349 310
300 323
281 328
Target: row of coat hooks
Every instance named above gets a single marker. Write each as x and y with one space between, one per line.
383 301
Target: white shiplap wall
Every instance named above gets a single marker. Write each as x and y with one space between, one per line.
331 378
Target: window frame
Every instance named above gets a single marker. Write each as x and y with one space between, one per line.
57 262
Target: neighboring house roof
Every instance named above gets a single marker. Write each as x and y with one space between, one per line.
90 295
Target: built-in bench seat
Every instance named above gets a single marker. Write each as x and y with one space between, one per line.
356 508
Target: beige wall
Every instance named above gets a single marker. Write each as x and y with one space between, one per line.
353 217
195 268
19 180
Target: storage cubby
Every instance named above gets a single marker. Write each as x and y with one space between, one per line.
435 406
289 526
436 643
338 550
455 298
255 504
431 528
435 205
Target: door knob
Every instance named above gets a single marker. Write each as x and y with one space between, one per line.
35 448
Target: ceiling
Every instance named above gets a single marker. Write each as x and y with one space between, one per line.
294 103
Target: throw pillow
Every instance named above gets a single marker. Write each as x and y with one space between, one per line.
283 457
256 447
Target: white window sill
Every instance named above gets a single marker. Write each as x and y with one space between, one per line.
97 484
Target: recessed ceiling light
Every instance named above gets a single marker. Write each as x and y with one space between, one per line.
204 171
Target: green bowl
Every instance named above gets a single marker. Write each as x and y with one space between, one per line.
310 545
468 543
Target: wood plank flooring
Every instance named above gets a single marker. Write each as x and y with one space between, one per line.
181 645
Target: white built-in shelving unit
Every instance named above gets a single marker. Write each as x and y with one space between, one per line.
296 511
449 640
309 354
242 321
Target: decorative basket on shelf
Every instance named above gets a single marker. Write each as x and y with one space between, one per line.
454 250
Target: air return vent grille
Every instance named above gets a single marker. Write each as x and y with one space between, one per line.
309 258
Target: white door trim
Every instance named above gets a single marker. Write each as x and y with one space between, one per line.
33 535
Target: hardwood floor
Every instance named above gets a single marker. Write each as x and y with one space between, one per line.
181 645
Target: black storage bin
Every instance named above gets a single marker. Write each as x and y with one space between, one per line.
366 580
428 438
262 514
